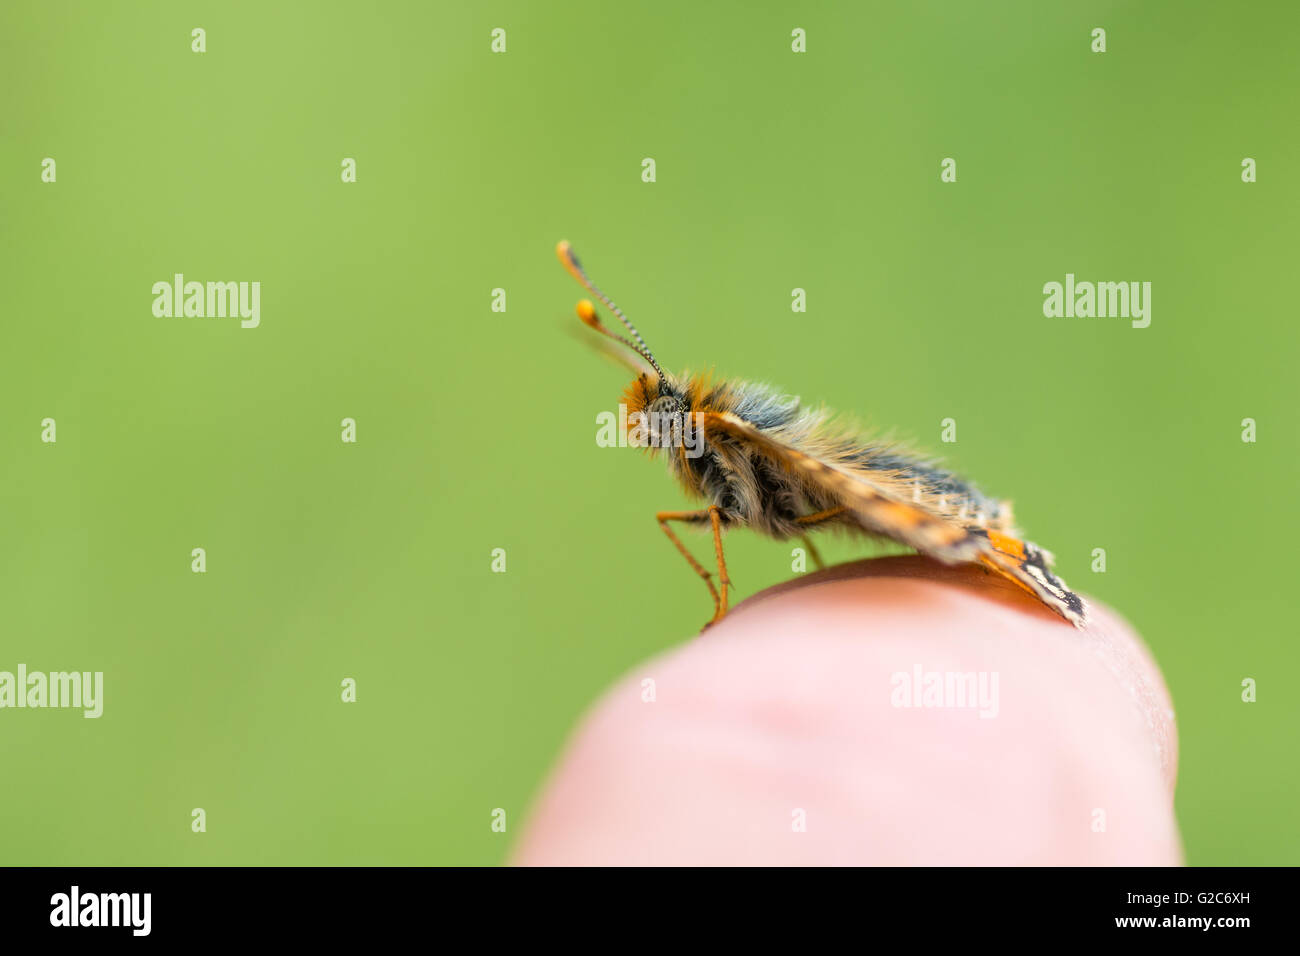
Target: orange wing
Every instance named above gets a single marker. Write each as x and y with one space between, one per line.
1029 566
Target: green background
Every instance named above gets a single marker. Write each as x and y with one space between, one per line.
476 428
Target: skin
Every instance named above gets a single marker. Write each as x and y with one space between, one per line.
785 704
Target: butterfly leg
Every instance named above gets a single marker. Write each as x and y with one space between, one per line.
821 516
715 515
812 521
812 551
663 518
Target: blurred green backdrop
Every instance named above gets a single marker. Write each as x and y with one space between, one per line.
476 428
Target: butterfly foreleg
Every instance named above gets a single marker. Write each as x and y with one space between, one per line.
713 516
724 580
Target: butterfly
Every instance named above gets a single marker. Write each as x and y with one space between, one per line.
763 460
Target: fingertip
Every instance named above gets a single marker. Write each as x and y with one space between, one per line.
790 706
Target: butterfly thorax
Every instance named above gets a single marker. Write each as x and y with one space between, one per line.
747 488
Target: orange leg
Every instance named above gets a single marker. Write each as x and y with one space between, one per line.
813 520
820 516
715 515
663 518
813 552
712 515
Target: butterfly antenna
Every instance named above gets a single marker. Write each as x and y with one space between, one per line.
587 312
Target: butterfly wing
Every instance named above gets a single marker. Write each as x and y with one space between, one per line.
1029 566
934 526
873 505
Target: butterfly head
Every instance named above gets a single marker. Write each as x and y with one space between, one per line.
658 412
